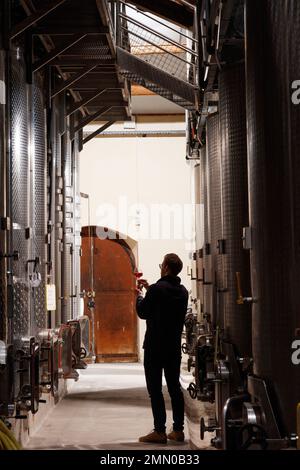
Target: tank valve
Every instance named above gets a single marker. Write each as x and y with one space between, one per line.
241 299
211 427
193 390
15 255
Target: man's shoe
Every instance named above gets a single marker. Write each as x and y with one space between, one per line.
154 437
176 436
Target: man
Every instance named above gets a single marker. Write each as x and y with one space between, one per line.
164 308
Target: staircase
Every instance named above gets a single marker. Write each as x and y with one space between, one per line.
154 54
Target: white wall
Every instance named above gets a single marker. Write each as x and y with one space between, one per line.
146 171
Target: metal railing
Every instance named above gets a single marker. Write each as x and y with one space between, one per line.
157 42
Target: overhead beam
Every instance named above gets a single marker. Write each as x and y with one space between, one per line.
88 100
34 18
98 131
68 83
91 118
171 11
56 52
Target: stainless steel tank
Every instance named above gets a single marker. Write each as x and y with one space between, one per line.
68 230
273 124
232 110
77 228
57 203
207 273
215 216
199 229
21 233
38 206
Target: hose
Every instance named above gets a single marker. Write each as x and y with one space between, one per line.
7 439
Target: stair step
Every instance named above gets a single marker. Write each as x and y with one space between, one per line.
156 80
158 90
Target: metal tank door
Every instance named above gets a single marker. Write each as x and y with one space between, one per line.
114 286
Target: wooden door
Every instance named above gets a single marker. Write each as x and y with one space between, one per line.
114 286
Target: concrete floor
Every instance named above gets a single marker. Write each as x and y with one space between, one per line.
108 409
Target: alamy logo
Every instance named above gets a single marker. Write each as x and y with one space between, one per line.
296 92
296 354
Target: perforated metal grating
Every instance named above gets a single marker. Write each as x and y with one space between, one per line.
91 48
142 42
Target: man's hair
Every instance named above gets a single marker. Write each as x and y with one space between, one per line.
174 263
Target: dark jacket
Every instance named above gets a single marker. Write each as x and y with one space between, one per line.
164 308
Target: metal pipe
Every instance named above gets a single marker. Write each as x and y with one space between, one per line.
3 208
118 25
187 4
218 36
8 196
219 28
199 14
212 22
91 293
204 52
91 301
167 133
52 192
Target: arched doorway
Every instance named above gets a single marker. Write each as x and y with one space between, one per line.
111 264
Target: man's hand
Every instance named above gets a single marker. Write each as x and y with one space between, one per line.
138 291
142 283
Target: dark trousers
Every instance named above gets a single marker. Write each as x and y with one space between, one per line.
154 366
